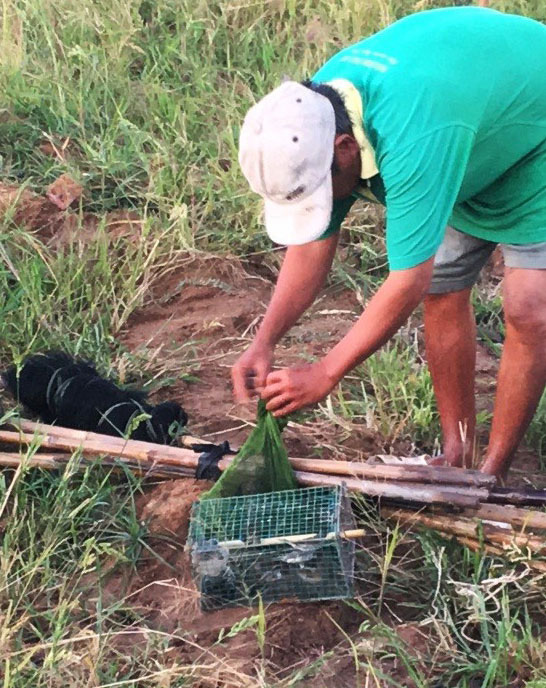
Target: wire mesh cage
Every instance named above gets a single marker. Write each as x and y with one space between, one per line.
279 546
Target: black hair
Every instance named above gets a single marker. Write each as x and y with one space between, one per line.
343 121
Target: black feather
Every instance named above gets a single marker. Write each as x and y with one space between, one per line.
70 392
166 415
117 420
30 386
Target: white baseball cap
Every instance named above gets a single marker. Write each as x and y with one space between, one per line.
286 148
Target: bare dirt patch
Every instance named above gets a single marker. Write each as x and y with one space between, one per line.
53 219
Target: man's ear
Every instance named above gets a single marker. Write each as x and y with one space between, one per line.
345 150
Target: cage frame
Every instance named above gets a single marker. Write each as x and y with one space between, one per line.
276 546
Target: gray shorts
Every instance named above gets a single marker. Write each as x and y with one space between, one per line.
460 258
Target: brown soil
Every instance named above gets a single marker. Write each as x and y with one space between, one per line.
203 316
36 213
298 637
161 591
52 219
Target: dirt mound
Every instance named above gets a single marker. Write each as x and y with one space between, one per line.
64 192
51 219
35 213
166 509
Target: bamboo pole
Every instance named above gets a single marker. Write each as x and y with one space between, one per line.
419 474
57 461
96 445
49 461
518 497
408 473
463 495
517 517
91 446
461 527
414 492
295 540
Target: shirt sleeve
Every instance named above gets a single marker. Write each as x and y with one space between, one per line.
422 183
340 209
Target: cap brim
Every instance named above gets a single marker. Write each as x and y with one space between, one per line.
299 222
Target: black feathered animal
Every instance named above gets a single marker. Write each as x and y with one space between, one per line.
70 392
32 383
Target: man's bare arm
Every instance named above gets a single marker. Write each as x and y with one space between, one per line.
386 312
301 277
293 388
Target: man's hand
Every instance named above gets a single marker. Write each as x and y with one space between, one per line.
250 371
302 274
291 389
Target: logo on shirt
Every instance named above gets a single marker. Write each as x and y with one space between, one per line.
370 58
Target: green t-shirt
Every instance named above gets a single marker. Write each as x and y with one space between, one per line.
455 109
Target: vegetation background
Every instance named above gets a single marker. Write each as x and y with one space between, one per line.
141 102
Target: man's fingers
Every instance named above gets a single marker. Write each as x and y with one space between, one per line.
250 379
271 391
240 388
254 383
275 377
278 402
285 410
260 375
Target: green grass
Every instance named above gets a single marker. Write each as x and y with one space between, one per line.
61 531
148 97
392 394
482 617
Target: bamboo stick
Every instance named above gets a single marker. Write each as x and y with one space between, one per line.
95 444
408 473
468 528
518 497
53 437
414 492
50 461
527 519
419 474
56 461
480 493
477 546
188 441
300 538
186 457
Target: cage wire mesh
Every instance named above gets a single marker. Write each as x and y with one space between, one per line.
279 545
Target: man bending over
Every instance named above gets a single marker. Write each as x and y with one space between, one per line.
442 118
